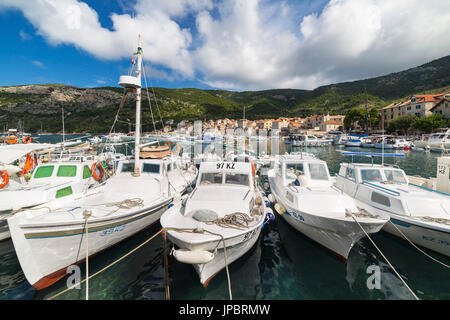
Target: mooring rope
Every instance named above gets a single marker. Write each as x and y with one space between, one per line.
108 266
398 275
426 254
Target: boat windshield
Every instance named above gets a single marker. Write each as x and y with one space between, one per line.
293 170
127 167
371 175
211 177
150 168
394 176
318 171
67 171
237 178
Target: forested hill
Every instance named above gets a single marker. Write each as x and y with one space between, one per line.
93 109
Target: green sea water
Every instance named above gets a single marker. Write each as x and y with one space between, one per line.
283 264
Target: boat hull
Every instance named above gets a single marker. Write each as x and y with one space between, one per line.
46 252
236 247
434 240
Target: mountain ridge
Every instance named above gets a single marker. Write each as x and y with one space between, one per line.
93 109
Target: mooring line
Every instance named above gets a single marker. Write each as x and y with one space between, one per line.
398 275
426 254
108 266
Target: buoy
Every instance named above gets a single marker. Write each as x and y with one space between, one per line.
270 215
280 208
271 198
193 256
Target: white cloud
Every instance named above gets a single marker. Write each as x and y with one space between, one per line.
74 22
38 63
255 44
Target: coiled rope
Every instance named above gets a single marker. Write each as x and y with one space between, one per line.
236 220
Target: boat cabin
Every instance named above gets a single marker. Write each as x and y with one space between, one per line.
302 171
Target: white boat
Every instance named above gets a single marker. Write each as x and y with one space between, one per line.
301 140
49 240
95 140
434 142
308 201
353 141
340 139
367 143
421 214
391 143
225 192
48 182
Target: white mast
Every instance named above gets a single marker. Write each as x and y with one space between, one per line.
137 143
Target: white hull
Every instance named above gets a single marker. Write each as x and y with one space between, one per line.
367 145
4 230
384 146
418 232
353 144
236 247
46 252
337 235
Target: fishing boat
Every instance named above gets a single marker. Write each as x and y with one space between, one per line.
47 183
219 221
434 142
421 214
340 139
47 241
353 141
306 198
391 143
301 140
368 143
95 140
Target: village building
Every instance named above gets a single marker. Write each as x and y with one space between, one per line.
442 107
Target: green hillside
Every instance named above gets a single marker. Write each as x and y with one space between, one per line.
94 109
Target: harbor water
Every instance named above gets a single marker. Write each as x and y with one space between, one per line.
283 264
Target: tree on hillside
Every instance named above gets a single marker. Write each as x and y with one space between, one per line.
353 115
402 123
373 117
429 123
369 120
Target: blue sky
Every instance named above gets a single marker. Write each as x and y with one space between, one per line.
226 44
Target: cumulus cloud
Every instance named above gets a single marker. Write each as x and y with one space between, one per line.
349 39
255 44
74 22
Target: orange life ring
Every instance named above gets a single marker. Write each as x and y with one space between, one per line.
11 140
27 139
94 173
4 178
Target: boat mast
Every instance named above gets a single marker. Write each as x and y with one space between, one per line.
137 142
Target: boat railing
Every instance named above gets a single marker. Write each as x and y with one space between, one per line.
389 191
428 189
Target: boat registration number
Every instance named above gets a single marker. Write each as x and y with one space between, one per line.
109 231
228 165
250 235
